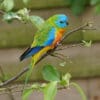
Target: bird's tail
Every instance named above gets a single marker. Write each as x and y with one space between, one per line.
34 60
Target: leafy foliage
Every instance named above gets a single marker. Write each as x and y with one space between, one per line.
87 44
50 73
77 6
27 92
10 16
50 89
7 5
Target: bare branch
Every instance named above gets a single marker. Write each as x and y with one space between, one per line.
74 30
15 77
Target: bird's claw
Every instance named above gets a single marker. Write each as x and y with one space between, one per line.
59 44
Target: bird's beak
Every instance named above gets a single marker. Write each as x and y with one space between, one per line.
67 23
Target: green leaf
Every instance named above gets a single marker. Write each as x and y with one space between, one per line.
24 14
26 1
65 79
10 16
50 91
50 73
79 89
87 44
7 5
27 93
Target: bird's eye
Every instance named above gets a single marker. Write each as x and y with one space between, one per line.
61 22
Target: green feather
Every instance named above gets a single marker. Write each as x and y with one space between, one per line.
42 35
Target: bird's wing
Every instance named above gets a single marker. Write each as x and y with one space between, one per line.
37 21
43 38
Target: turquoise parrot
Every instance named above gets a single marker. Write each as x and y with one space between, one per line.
46 38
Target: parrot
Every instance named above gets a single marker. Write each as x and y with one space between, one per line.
47 37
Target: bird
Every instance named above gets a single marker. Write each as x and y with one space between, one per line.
47 37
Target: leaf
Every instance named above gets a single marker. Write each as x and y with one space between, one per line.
79 89
50 91
50 73
24 14
10 16
7 5
37 21
65 79
87 44
26 1
27 93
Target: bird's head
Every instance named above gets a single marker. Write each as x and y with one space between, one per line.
59 20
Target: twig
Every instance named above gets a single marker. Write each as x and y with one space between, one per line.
71 32
70 46
45 55
15 77
54 55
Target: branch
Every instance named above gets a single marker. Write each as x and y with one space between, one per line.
15 77
74 30
19 88
45 55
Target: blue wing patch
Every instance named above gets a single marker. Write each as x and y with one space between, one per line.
30 52
51 37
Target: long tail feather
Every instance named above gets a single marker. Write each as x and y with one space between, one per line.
34 60
30 52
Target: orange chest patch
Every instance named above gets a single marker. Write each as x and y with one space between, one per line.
61 31
59 36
